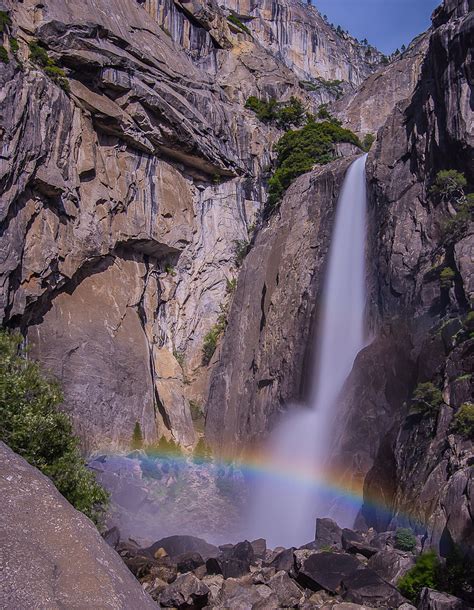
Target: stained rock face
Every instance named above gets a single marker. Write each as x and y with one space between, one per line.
52 555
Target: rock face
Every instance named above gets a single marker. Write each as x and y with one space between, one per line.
53 556
272 312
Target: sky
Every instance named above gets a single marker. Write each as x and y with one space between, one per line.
387 24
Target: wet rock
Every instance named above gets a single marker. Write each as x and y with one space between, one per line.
177 545
391 565
326 571
328 533
188 562
186 592
364 586
434 600
288 592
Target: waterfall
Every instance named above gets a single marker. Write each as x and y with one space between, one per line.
296 487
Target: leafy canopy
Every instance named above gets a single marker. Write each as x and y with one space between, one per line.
32 426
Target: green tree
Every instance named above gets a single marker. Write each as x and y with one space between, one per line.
367 142
426 398
32 426
446 278
463 423
404 539
449 184
137 437
423 574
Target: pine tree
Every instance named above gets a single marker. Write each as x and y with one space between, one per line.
137 437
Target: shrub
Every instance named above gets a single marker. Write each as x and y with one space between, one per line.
455 575
14 46
449 184
231 285
164 448
446 278
202 452
463 423
179 357
242 248
40 57
367 142
5 21
404 539
137 437
456 227
212 337
423 574
283 114
4 55
32 426
298 151
426 398
236 21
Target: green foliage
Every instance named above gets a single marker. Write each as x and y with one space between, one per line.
283 114
242 248
426 398
164 448
449 184
367 142
169 269
463 423
179 357
4 55
298 151
236 21
423 574
202 452
32 426
137 437
5 21
456 227
323 113
212 337
231 285
14 46
404 539
446 278
40 57
455 575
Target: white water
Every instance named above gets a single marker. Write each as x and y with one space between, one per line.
288 500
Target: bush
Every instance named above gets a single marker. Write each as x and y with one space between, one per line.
283 114
463 423
298 151
456 227
236 21
14 46
426 398
164 448
210 342
423 574
446 278
40 57
367 142
242 248
449 184
32 426
137 437
5 21
404 539
4 55
202 452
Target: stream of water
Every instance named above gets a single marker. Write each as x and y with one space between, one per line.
286 506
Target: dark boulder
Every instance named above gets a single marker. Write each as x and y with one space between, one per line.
365 587
187 562
353 542
112 537
259 547
283 561
177 545
328 534
187 591
434 600
326 571
288 592
229 567
243 551
391 564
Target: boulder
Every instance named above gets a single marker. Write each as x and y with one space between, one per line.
177 545
187 591
391 564
237 596
326 571
259 547
364 586
229 567
52 555
283 561
434 600
354 543
288 592
328 533
165 569
112 537
187 562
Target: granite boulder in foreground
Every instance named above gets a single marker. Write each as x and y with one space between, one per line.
51 556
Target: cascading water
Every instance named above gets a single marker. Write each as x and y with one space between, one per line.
288 500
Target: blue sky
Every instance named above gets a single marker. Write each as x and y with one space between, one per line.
387 24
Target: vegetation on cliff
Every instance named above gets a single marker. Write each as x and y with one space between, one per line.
300 150
283 114
32 426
